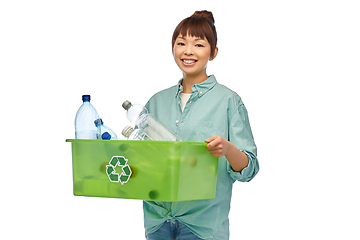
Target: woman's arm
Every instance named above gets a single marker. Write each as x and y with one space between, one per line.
219 146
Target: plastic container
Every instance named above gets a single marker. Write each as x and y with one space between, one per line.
134 134
148 123
106 132
84 121
147 170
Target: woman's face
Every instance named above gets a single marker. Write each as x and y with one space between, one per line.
192 54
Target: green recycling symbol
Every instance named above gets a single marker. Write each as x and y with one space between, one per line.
124 176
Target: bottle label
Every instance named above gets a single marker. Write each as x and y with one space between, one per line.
86 134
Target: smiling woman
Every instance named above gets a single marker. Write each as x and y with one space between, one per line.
192 54
200 109
199 25
194 44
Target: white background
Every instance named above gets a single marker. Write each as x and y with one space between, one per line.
294 63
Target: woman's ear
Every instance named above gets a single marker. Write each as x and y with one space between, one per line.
214 54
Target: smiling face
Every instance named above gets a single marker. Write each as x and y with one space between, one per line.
192 54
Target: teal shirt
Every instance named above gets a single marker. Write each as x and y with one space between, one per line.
212 109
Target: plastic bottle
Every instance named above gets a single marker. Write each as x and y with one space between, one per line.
148 123
106 132
84 121
135 134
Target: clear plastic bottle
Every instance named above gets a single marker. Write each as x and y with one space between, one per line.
148 123
135 134
106 132
84 121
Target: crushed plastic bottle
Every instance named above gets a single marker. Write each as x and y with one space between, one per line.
135 134
84 121
148 123
106 132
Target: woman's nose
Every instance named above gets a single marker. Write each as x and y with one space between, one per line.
188 50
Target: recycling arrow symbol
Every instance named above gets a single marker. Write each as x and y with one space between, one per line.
122 162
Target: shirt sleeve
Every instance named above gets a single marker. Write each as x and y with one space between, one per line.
241 136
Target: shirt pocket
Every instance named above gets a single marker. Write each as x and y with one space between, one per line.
206 129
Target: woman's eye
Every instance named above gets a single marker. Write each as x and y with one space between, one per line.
181 44
199 45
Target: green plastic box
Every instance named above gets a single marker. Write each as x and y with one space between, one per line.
148 170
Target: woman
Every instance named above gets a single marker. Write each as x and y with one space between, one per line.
200 109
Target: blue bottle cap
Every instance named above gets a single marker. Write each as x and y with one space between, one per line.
106 136
86 98
96 122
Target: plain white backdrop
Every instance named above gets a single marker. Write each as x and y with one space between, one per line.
295 64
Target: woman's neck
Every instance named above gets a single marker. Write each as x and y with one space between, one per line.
189 81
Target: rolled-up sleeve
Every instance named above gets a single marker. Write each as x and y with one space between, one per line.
241 136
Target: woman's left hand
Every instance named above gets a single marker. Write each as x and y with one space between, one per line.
217 146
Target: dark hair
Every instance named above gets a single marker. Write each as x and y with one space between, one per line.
201 25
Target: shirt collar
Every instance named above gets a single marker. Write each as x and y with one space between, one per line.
201 88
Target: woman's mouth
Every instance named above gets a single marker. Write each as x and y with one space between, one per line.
188 62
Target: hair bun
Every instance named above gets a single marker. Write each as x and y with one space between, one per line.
205 14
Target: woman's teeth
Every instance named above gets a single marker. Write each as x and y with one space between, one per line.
188 61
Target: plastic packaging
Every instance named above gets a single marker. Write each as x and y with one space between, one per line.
84 121
148 123
106 132
135 134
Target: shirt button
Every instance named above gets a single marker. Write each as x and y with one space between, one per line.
177 121
200 93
